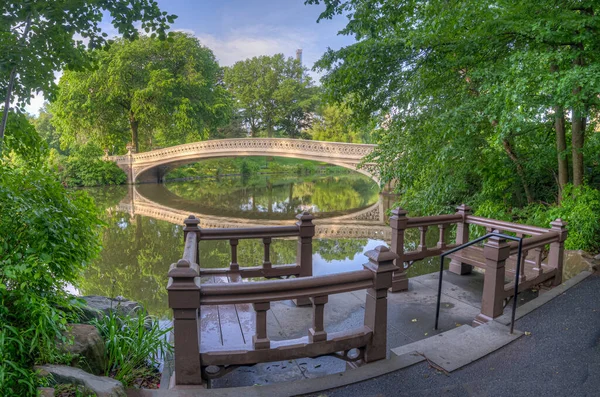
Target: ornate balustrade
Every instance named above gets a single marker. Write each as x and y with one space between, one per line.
347 155
188 298
497 257
304 230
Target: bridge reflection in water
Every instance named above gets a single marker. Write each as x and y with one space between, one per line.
365 223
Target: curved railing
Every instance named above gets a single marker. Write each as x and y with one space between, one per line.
188 299
348 151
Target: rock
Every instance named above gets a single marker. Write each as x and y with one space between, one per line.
597 257
577 261
88 347
101 385
46 391
98 305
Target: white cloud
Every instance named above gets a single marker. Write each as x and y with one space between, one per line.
240 44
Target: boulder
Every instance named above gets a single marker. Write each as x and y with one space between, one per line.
88 348
577 261
101 385
96 306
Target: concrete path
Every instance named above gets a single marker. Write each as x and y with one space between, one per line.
558 356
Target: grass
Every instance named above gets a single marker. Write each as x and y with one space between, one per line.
132 344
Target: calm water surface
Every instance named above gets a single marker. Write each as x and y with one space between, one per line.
138 248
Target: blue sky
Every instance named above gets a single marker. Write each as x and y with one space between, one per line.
236 29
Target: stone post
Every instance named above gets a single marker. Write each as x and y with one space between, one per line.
398 223
184 300
557 250
381 263
305 251
495 251
462 236
191 225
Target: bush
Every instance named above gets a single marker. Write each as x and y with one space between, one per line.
132 344
86 168
47 235
580 208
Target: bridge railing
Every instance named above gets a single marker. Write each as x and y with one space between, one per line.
187 298
541 261
303 229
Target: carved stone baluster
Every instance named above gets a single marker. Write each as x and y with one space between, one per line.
317 332
398 223
522 276
442 241
234 266
260 340
267 260
537 257
422 242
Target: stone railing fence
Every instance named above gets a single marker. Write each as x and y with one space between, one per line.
187 297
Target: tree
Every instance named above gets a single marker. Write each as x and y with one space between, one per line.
466 92
334 123
38 38
272 93
151 92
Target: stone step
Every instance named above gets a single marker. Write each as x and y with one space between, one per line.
458 347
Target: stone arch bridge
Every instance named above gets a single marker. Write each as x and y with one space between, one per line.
152 166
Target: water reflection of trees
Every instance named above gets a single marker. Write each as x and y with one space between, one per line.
138 251
280 194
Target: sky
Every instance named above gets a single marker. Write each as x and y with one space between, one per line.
238 29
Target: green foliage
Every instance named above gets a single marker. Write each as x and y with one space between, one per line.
469 98
132 343
150 92
38 38
47 236
84 167
580 208
273 94
335 124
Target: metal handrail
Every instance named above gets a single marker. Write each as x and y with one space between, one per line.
460 247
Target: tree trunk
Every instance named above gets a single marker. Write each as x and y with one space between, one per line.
578 130
577 141
133 123
11 83
561 149
509 150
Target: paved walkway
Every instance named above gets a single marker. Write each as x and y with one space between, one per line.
411 316
560 356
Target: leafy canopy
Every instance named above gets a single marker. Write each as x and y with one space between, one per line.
60 33
272 94
150 92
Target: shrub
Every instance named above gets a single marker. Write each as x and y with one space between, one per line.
132 344
47 235
86 168
580 208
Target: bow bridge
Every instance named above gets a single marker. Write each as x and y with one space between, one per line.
153 165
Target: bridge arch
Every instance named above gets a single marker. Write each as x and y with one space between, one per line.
151 166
